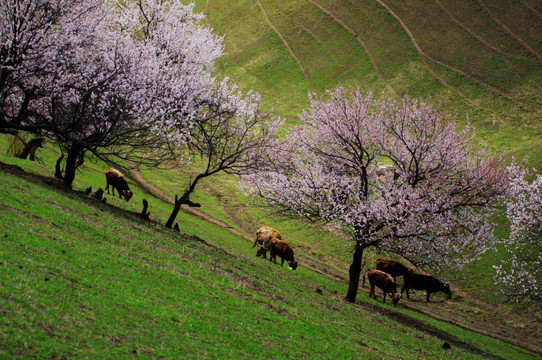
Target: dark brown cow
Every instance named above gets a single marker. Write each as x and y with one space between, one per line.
424 282
384 281
392 267
117 181
263 237
283 250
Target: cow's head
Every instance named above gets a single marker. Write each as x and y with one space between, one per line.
261 251
395 299
292 264
447 291
127 194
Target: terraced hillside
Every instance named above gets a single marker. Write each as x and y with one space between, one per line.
481 59
79 278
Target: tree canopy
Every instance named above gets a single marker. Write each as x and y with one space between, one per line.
113 78
394 175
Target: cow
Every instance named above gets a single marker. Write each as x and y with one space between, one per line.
263 236
424 282
392 267
384 281
283 250
117 181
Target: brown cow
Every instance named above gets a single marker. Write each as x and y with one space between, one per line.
263 237
283 250
117 181
424 282
392 267
384 281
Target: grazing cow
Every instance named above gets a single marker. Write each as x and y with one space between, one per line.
283 250
424 282
263 237
117 181
392 267
384 281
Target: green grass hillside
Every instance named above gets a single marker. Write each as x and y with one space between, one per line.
481 59
85 279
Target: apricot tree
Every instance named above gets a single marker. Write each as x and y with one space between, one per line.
393 175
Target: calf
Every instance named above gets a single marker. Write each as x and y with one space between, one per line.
392 267
283 250
263 237
384 281
424 282
117 181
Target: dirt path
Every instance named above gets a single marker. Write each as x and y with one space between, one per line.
305 74
424 56
516 36
360 40
435 310
459 23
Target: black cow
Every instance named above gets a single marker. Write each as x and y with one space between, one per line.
424 282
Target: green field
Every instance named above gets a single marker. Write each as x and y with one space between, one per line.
85 279
477 59
80 278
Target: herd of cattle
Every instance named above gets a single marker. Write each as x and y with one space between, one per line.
386 272
269 239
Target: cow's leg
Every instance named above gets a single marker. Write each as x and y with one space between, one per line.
384 291
427 296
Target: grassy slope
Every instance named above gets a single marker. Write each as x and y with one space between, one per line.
481 59
499 88
484 62
84 279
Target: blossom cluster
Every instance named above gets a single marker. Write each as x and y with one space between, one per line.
129 77
520 274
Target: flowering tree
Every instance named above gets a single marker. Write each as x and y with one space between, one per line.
124 79
226 138
396 176
521 272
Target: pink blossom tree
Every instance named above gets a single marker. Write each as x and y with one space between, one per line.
226 137
521 272
116 79
396 176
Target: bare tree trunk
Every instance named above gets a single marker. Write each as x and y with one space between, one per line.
355 272
177 207
30 148
185 199
58 169
73 160
144 213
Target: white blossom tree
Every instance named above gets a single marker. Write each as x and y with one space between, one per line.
396 176
124 79
520 274
226 137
